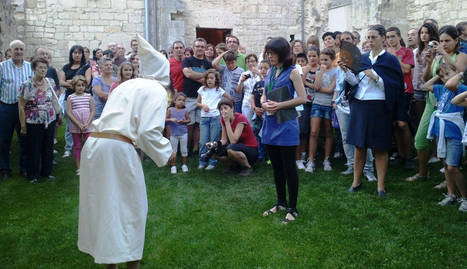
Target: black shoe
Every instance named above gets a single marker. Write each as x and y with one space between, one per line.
246 172
355 189
381 194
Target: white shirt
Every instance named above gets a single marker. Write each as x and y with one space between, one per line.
368 88
211 98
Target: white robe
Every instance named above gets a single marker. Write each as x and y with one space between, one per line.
112 196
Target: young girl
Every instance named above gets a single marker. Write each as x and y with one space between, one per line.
209 96
177 119
124 73
447 124
80 110
324 85
309 63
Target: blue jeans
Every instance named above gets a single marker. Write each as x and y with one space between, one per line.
238 106
209 130
9 121
349 149
68 136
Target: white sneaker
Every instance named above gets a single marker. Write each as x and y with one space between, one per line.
173 169
77 172
55 151
463 206
370 177
441 170
327 165
210 167
55 141
303 156
200 166
184 168
448 199
310 167
433 160
348 171
300 165
337 155
66 154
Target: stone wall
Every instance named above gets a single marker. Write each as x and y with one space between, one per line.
60 24
8 22
252 21
444 11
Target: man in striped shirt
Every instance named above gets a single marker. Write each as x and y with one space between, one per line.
13 73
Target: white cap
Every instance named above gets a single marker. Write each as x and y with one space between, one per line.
153 64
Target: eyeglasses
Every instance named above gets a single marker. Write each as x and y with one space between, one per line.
232 41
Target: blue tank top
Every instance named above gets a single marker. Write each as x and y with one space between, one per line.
177 129
287 133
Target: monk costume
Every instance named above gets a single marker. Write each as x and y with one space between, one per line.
112 192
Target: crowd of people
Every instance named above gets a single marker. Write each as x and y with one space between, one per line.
404 103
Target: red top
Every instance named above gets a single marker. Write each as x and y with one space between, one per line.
113 86
176 74
248 137
406 56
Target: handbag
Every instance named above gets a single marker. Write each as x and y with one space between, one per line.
349 90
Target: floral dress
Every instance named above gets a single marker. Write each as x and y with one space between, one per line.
39 107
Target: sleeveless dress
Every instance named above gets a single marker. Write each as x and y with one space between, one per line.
286 133
81 110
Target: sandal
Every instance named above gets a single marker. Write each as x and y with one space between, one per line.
292 213
274 209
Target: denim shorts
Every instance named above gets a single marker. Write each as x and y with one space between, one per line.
319 111
453 152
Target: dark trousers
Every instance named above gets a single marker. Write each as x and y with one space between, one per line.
9 121
285 172
40 142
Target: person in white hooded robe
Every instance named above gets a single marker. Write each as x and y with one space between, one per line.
112 193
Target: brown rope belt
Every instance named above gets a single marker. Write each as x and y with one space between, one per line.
118 137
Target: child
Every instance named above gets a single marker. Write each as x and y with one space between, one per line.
177 119
80 110
255 102
304 119
447 124
324 85
124 73
231 73
209 96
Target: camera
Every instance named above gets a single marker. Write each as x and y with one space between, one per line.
431 44
215 147
247 76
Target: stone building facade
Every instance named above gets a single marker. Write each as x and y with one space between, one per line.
59 24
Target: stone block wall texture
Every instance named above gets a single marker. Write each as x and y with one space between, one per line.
59 24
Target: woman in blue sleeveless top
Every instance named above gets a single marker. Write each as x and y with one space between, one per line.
281 137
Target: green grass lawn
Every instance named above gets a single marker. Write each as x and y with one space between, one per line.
205 219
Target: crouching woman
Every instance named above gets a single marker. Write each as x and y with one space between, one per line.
241 147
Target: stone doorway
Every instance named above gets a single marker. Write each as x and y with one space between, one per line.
213 35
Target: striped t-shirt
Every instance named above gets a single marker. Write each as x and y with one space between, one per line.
11 78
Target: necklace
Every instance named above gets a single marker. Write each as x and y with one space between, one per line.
39 84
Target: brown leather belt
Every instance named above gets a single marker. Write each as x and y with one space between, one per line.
118 137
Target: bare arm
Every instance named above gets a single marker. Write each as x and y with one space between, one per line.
405 67
22 115
93 112
452 83
460 99
88 75
329 89
224 140
215 62
187 118
100 93
234 135
428 86
189 73
63 82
